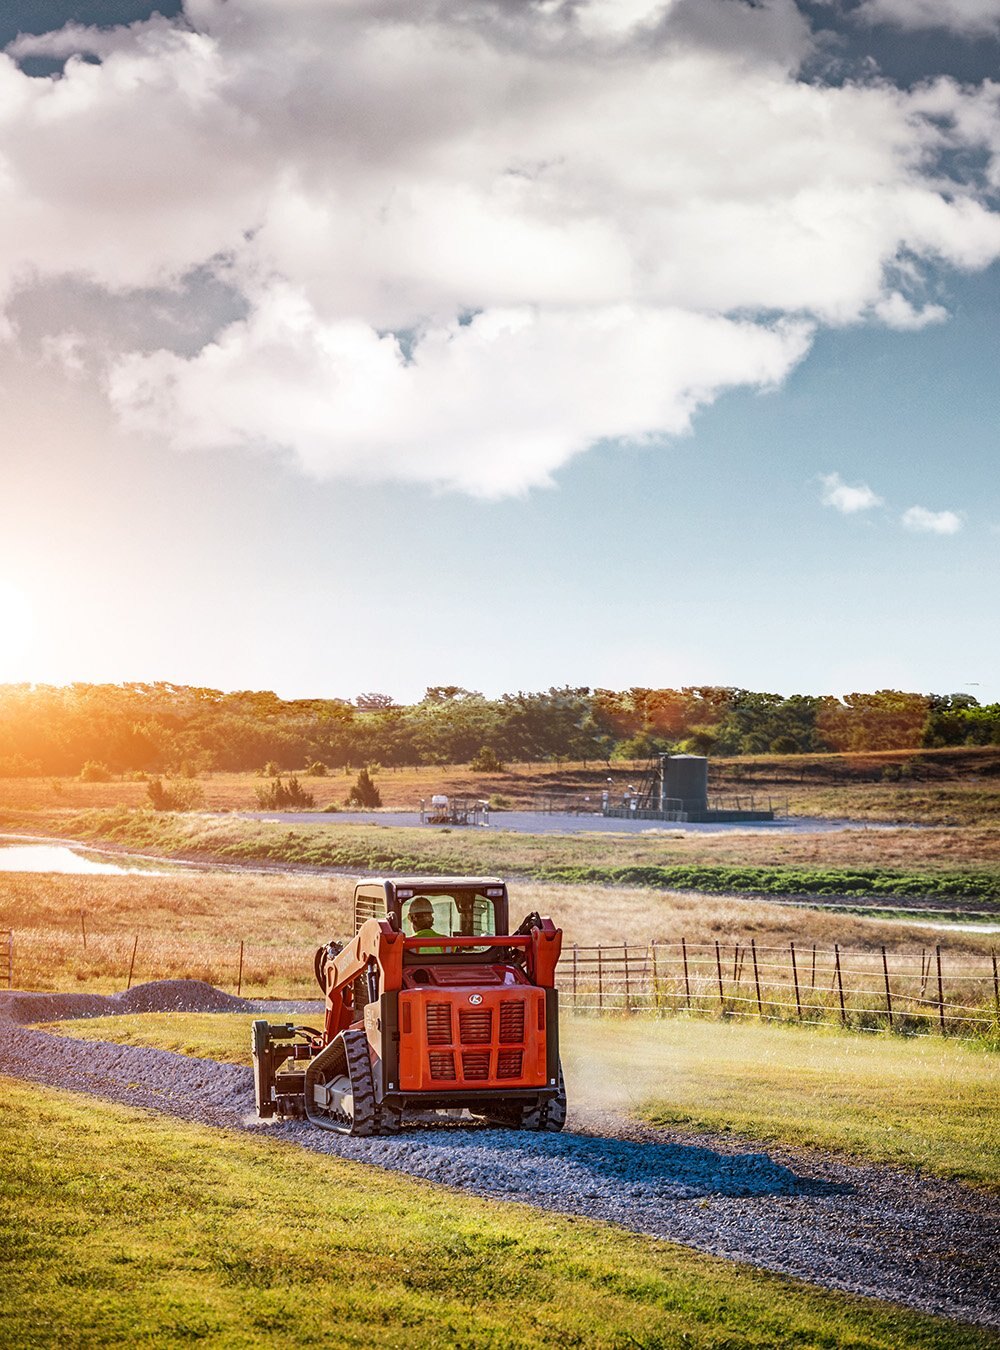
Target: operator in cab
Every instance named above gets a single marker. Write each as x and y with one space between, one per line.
421 919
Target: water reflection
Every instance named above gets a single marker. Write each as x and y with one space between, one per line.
58 858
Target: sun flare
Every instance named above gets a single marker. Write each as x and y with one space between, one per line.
16 629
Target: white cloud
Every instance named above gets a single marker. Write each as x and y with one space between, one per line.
971 18
491 406
845 498
897 312
600 184
931 522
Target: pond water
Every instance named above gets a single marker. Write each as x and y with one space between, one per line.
948 927
59 858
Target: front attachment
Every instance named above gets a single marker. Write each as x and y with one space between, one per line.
278 1088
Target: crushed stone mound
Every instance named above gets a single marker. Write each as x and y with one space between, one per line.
177 996
159 996
21 1007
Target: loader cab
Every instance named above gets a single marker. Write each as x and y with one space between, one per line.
458 907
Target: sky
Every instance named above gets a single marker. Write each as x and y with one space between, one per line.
353 345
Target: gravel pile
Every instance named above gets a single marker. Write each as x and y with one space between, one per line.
934 1246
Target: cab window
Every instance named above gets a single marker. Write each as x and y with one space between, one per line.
459 914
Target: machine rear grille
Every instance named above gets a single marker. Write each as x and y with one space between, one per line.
511 1021
442 1064
476 1027
476 1064
509 1064
439 1023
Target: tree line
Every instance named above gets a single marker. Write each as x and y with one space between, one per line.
170 728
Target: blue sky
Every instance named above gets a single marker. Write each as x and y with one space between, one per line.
621 484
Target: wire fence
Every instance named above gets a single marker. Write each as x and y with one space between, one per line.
925 990
6 958
871 989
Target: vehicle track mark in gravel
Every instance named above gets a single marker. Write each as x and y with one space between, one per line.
933 1246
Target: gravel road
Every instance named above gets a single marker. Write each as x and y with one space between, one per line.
928 1244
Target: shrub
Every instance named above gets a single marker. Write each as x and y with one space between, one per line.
182 796
270 770
95 772
364 792
784 745
276 796
486 760
317 769
702 741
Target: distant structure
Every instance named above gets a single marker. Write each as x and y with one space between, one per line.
676 788
444 810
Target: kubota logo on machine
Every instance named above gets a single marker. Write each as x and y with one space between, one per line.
475 998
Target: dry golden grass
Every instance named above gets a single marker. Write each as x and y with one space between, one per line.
949 786
191 924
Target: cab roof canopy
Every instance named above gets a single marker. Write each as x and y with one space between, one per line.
431 883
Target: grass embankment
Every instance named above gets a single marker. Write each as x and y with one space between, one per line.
930 1104
157 1232
904 869
191 924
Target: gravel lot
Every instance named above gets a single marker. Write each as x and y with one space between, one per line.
565 822
931 1245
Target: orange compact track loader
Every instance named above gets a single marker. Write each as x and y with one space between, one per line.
432 1009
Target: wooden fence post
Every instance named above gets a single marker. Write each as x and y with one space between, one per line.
600 977
996 982
687 980
838 976
888 992
718 971
575 955
83 928
756 976
940 984
812 982
131 964
656 978
239 977
795 981
628 991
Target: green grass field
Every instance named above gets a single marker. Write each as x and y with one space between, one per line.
927 1103
121 1228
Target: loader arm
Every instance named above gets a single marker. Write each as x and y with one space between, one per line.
377 952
